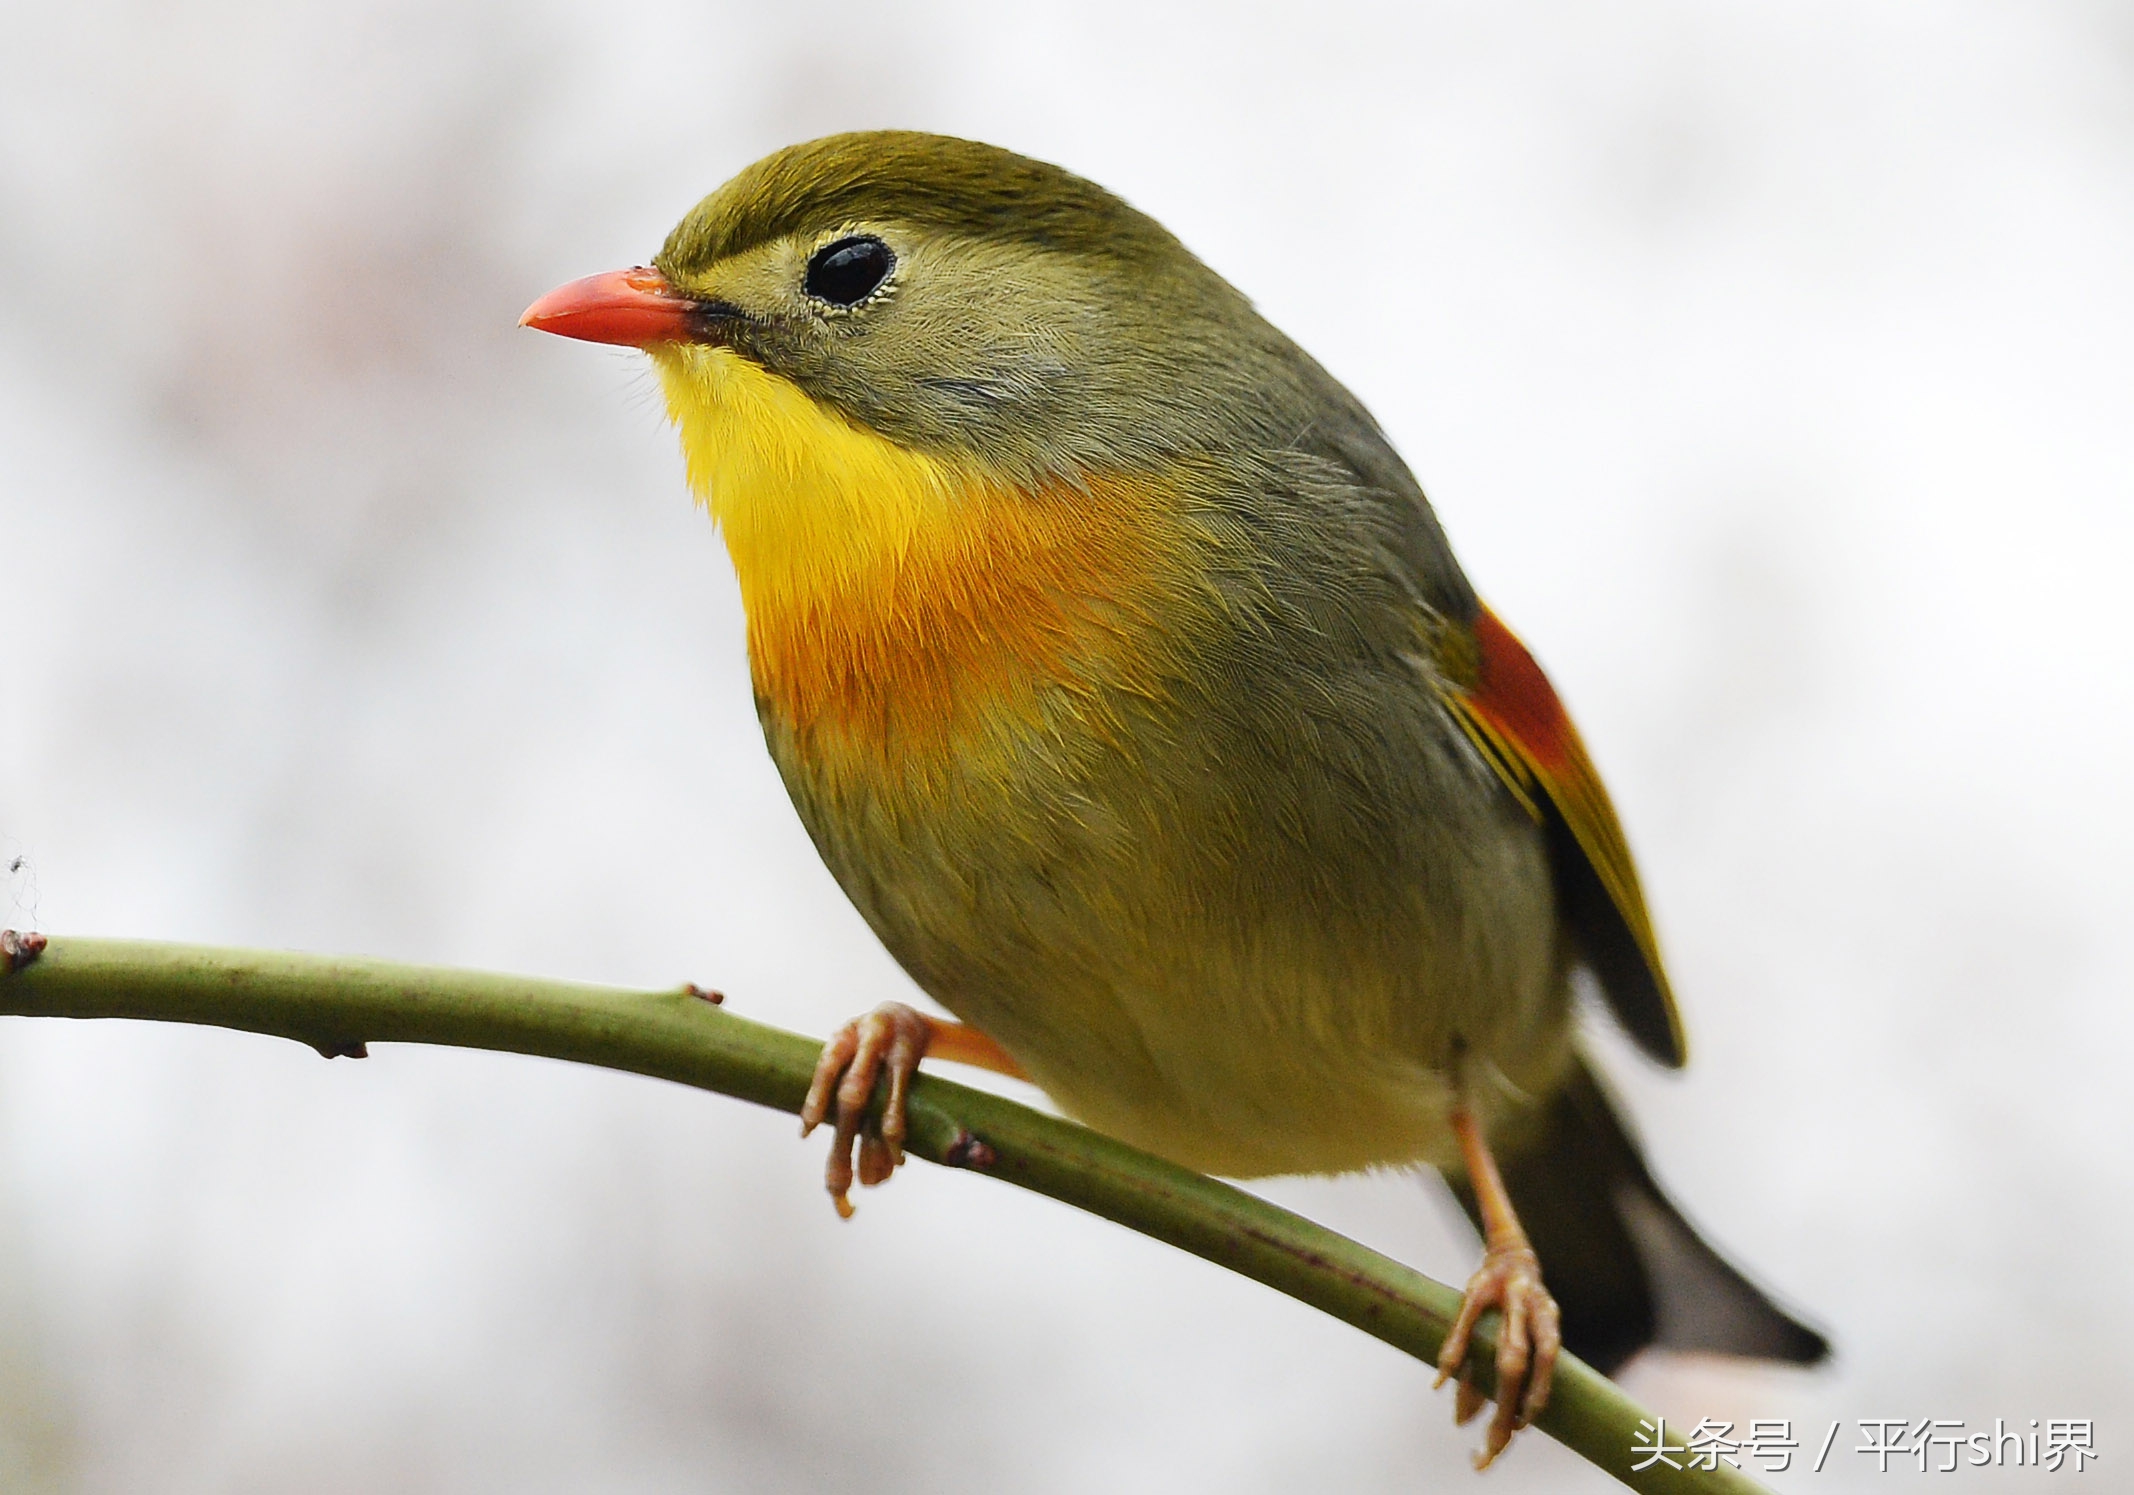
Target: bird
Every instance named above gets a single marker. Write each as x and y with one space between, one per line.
1128 685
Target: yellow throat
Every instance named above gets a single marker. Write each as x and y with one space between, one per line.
896 599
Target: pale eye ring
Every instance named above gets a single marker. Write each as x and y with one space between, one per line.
848 271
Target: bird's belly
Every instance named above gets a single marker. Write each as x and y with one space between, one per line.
1248 1008
1291 1080
1267 1056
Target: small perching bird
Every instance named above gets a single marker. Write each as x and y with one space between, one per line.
1127 684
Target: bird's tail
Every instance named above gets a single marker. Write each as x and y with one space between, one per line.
1625 1267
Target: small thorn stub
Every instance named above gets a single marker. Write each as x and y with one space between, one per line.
19 948
968 1151
342 1048
704 993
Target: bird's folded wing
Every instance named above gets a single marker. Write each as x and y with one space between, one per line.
1509 710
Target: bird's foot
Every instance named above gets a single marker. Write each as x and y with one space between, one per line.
1529 1339
895 1038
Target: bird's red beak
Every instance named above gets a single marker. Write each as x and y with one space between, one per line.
631 307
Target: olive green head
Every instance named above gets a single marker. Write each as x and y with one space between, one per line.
960 298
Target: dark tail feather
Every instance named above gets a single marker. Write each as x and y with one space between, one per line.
1625 1267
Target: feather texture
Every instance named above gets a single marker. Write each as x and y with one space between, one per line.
1513 716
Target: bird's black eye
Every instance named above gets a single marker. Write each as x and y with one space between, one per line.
847 272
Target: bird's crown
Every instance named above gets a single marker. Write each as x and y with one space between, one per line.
963 187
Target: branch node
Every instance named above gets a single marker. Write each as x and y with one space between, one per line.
342 1048
968 1151
19 948
703 993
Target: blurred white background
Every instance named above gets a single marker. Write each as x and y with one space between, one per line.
1771 364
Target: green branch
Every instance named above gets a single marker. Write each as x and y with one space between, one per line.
337 1005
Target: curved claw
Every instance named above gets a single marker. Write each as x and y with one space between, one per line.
1528 1343
892 1037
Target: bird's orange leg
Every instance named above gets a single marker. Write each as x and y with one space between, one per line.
1531 1335
895 1038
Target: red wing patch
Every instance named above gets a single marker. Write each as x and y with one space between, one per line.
1512 715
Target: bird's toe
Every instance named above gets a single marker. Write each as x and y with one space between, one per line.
1529 1341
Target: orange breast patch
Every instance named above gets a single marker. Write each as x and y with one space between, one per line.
1003 596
